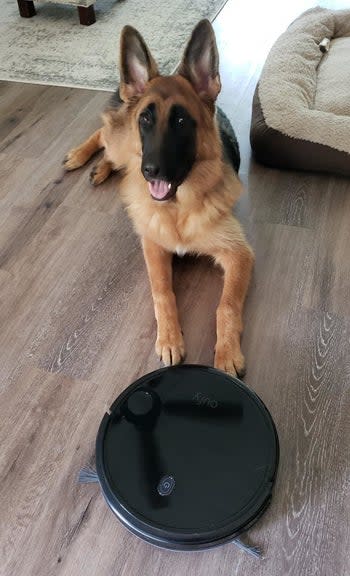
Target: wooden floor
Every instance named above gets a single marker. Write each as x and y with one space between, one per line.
77 327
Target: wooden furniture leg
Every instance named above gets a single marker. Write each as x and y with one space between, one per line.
86 15
26 8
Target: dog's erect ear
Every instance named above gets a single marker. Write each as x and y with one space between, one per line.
137 65
200 62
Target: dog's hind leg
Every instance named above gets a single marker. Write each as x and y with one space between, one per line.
101 171
77 157
169 344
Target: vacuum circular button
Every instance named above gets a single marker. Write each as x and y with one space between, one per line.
140 403
166 485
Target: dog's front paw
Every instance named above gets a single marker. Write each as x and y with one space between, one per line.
170 348
229 359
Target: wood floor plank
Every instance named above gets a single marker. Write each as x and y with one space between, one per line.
329 287
16 105
48 114
74 258
42 508
290 198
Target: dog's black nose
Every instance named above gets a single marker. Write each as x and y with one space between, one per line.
150 170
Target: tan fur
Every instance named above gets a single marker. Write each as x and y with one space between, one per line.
199 220
169 344
101 171
77 157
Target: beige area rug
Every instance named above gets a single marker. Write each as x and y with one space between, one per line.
53 48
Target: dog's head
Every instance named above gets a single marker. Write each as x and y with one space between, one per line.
168 109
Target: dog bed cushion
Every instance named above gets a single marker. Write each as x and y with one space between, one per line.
301 106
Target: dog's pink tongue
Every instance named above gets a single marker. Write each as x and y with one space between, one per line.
159 188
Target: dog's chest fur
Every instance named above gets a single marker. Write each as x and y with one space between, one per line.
171 226
187 224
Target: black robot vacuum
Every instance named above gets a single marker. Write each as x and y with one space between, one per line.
187 457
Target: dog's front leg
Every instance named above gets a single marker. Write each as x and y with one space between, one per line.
237 265
169 344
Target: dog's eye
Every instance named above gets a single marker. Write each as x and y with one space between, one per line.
146 118
180 121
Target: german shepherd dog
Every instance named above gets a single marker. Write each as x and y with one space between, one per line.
179 185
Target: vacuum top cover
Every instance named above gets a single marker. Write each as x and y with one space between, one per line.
187 457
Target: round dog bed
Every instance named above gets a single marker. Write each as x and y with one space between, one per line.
301 106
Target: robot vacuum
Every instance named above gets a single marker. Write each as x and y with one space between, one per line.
187 457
